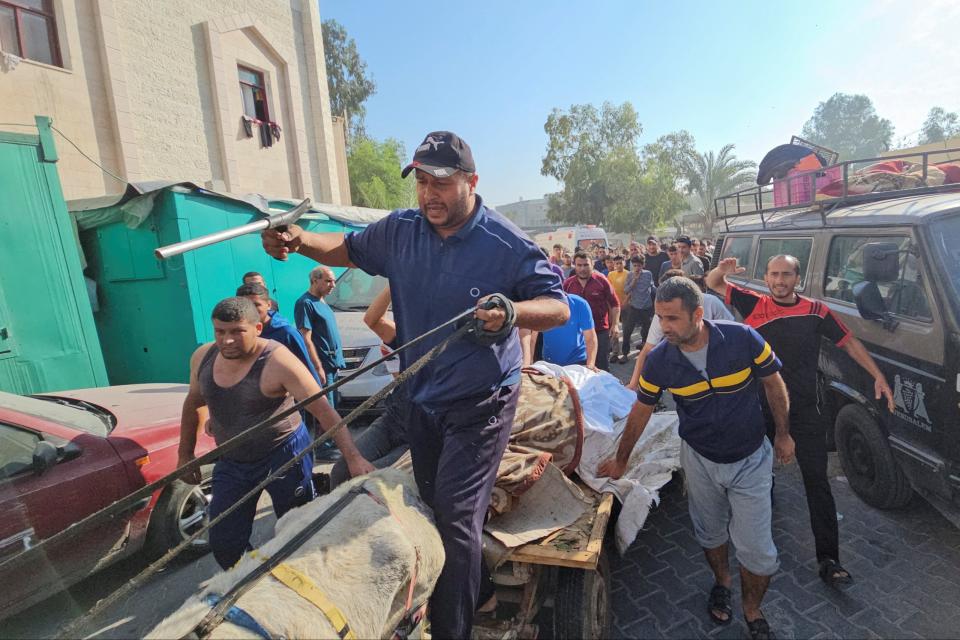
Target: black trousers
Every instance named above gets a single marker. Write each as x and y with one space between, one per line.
633 318
809 431
456 454
603 349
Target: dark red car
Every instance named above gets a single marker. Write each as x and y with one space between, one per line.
68 454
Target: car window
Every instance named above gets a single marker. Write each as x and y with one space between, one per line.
796 247
355 290
739 248
16 450
904 296
946 258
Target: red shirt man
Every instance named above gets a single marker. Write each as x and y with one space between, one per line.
793 326
599 294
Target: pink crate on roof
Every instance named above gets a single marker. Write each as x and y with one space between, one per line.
803 186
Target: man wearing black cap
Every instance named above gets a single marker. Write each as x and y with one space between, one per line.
654 258
449 255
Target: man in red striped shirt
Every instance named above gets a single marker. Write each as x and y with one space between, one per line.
793 325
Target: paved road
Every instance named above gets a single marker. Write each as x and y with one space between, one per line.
906 566
134 617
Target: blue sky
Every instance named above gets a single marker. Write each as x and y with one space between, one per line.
748 73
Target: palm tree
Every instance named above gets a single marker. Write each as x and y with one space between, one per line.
712 175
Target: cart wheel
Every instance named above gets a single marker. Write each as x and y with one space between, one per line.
581 605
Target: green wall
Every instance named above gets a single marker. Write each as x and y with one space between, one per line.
153 313
47 337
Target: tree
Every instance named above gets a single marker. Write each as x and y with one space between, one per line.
711 175
375 181
849 125
606 181
940 125
347 79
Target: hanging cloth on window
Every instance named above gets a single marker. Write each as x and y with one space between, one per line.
266 138
247 125
275 131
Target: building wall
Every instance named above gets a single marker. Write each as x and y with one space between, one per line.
527 213
951 143
151 91
73 96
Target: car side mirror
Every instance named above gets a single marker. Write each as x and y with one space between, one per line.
870 304
69 451
45 456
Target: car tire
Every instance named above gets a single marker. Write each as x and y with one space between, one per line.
582 602
180 511
868 461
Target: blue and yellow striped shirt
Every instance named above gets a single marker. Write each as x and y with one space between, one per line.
720 416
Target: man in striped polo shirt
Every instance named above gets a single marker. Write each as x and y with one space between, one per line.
714 371
794 325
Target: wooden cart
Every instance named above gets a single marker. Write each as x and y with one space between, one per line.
562 580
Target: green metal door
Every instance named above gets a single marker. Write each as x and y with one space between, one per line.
6 343
48 340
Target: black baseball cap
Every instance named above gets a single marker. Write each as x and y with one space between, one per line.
441 154
683 240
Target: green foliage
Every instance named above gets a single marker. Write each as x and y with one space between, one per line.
711 175
940 125
849 125
585 135
606 181
375 181
347 78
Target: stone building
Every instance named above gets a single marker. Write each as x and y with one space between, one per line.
177 90
530 215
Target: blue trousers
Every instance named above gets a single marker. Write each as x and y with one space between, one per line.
456 452
232 479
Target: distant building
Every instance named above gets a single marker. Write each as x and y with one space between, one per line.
932 149
530 215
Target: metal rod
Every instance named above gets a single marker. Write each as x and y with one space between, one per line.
270 222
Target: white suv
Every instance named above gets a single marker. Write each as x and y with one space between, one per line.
349 300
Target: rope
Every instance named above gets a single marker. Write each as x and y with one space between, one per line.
133 500
71 629
72 143
219 611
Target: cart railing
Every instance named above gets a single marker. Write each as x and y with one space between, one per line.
800 190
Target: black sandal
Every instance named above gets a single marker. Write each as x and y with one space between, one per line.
759 629
719 601
833 574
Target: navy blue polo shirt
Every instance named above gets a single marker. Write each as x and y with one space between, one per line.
720 417
280 330
432 280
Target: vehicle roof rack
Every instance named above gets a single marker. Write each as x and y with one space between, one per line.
800 191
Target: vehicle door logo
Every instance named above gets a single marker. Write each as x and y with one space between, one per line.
909 396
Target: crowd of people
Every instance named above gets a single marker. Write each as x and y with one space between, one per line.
619 287
745 392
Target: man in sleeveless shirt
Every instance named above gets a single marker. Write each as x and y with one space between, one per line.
244 379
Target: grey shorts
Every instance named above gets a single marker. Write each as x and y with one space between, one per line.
732 502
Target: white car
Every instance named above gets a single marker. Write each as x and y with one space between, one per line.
349 300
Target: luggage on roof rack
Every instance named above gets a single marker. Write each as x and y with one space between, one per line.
845 183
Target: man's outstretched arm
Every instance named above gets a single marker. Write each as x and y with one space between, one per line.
326 248
616 465
717 278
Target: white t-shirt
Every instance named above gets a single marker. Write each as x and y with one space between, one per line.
713 309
